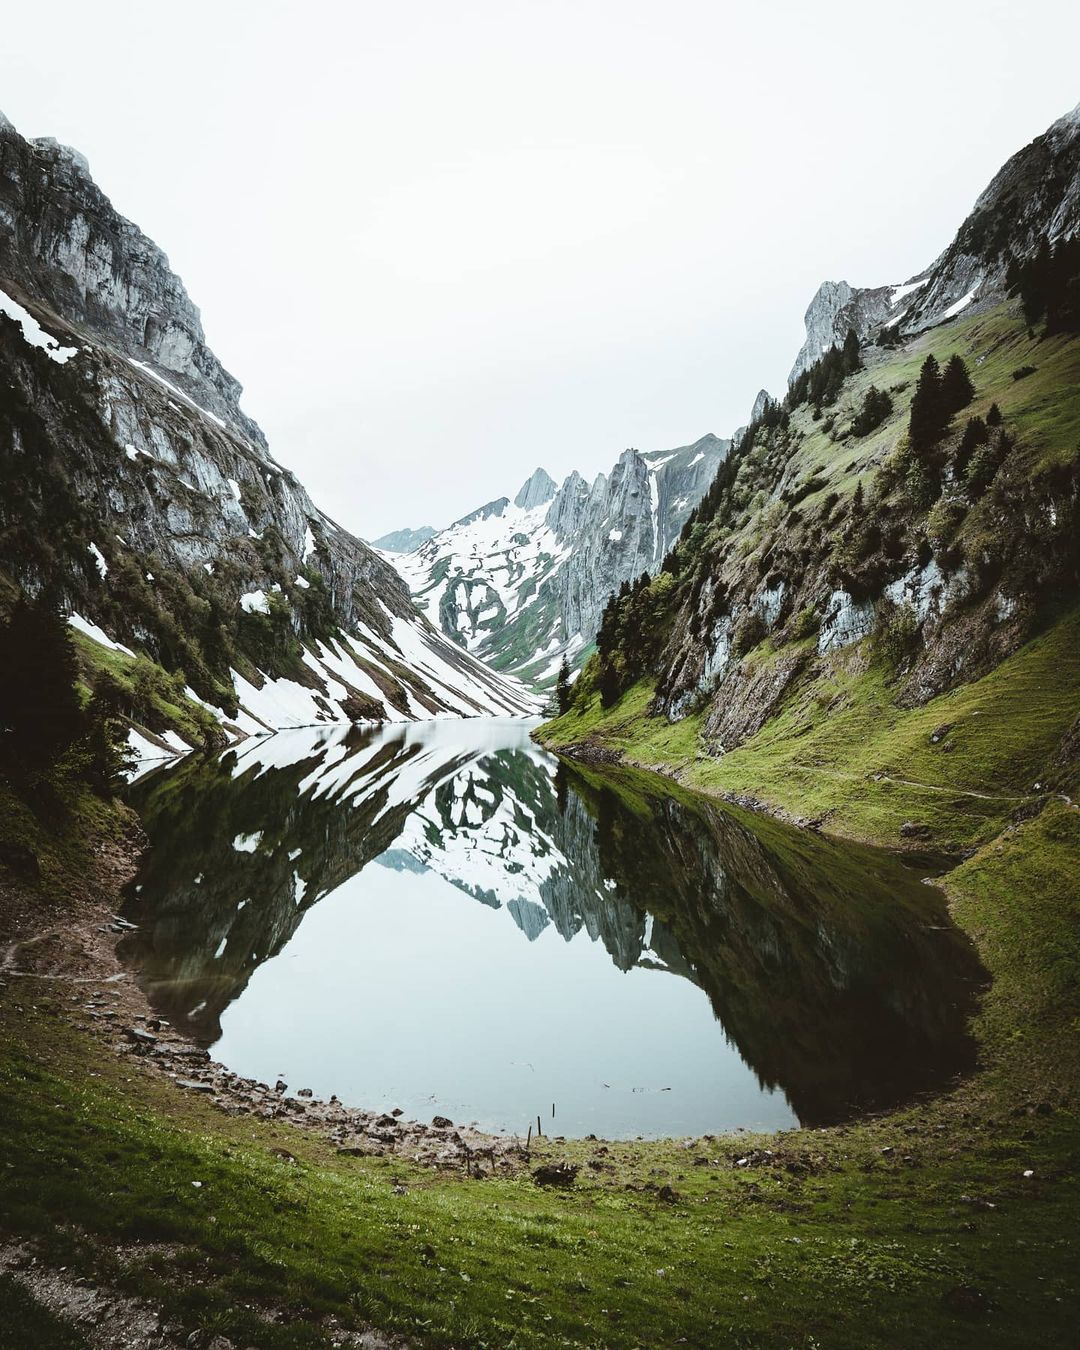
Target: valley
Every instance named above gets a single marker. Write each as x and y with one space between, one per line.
643 911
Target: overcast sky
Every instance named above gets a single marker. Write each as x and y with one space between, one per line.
441 243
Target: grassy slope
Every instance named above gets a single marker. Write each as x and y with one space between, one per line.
1043 410
861 1249
836 735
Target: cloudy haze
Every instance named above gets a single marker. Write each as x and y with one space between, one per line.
441 244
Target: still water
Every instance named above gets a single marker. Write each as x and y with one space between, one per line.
444 918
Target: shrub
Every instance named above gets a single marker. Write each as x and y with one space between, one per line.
805 624
896 635
876 407
749 632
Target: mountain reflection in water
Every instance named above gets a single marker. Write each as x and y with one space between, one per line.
831 980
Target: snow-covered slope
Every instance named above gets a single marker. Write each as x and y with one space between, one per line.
521 584
138 491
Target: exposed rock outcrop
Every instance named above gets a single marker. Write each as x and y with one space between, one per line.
137 488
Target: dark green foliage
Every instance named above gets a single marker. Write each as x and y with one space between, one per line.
822 382
896 637
749 632
47 736
41 715
1048 284
976 433
563 690
929 416
876 407
985 462
1023 372
993 417
632 632
957 391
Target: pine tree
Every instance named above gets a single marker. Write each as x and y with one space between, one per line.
563 694
876 406
857 501
957 391
928 415
993 417
852 361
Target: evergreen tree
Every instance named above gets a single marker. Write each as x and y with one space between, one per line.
852 361
857 502
957 391
993 417
929 417
563 693
876 407
976 433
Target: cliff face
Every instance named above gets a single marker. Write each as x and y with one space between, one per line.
137 489
520 585
1035 196
828 529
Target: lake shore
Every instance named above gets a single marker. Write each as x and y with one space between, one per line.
936 1201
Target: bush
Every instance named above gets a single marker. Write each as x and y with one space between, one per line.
876 407
749 632
896 636
1023 372
805 624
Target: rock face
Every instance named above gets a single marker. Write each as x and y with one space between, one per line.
535 491
835 309
137 488
404 541
1035 196
521 584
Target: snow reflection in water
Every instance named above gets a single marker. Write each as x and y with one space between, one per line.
441 917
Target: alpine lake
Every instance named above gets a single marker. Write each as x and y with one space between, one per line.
444 919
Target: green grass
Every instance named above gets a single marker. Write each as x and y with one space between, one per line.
859 1249
1043 410
840 748
158 704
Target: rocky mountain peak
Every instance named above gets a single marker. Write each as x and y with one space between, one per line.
536 490
764 398
835 308
65 244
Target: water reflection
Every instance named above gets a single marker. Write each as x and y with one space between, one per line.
797 979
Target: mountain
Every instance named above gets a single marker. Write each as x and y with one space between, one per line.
887 534
403 541
1034 197
140 494
521 583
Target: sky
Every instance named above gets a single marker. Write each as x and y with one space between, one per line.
442 244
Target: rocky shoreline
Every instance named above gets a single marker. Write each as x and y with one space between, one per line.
71 941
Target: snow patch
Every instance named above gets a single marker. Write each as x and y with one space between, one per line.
255 602
33 333
962 303
99 560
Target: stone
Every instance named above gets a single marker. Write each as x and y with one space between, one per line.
442 1122
911 829
562 1174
